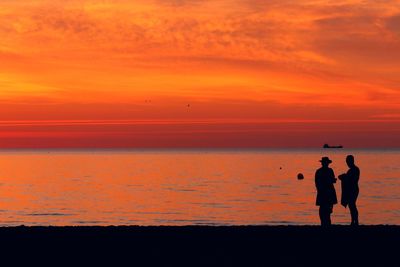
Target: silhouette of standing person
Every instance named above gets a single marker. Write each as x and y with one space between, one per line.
350 189
326 193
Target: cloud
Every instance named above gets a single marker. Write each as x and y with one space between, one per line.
393 24
275 50
155 31
357 38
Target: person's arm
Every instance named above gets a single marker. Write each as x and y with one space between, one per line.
333 176
357 174
317 180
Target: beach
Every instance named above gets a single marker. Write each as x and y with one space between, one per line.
204 245
214 208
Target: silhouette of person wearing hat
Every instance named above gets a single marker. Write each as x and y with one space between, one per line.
326 193
350 189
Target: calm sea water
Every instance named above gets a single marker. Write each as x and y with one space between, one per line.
187 187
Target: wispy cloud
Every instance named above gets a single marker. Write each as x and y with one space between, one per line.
270 56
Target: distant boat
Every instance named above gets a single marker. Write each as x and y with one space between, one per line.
328 146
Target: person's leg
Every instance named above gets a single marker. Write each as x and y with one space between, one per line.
324 215
329 211
321 215
353 213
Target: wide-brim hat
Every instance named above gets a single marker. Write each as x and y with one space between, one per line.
325 159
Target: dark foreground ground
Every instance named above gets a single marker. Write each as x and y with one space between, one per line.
202 246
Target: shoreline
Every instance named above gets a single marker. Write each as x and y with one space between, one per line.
365 245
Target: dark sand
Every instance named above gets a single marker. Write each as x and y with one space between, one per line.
206 246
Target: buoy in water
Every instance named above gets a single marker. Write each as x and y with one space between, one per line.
300 176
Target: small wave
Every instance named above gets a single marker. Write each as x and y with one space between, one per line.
281 222
159 213
90 222
49 214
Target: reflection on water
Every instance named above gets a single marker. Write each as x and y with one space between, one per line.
187 187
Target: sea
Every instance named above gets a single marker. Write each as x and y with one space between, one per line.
188 187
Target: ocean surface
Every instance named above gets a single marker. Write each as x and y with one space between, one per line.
187 187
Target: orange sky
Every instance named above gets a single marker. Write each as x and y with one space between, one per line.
119 73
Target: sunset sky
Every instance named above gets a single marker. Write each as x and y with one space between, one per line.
193 73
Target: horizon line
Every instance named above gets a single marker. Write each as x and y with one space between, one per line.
66 122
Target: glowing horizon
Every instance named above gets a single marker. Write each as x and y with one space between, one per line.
247 73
